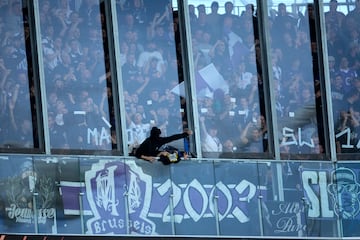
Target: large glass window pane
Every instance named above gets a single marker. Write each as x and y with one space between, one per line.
343 47
76 63
318 182
18 182
236 191
194 199
158 197
296 78
344 188
283 207
305 203
17 99
150 63
47 195
228 78
71 187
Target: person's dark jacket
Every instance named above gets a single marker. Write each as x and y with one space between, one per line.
151 145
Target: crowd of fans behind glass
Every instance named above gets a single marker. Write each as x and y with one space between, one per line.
76 64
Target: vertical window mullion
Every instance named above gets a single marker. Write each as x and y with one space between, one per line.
330 145
185 34
268 80
36 31
120 114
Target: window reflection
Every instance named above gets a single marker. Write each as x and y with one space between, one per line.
342 34
76 74
150 53
228 79
17 102
79 87
296 79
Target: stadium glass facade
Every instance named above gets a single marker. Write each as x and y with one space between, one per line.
271 90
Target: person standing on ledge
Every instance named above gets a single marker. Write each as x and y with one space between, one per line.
149 149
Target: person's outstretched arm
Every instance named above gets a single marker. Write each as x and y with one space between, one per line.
174 137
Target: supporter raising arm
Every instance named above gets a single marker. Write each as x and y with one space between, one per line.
149 149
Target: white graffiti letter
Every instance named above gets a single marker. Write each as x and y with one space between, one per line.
302 143
310 177
324 198
105 189
195 185
241 188
165 188
92 134
134 193
104 136
228 198
288 137
348 133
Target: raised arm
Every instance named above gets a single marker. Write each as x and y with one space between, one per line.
174 137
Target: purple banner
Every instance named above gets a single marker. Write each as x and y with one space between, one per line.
121 198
